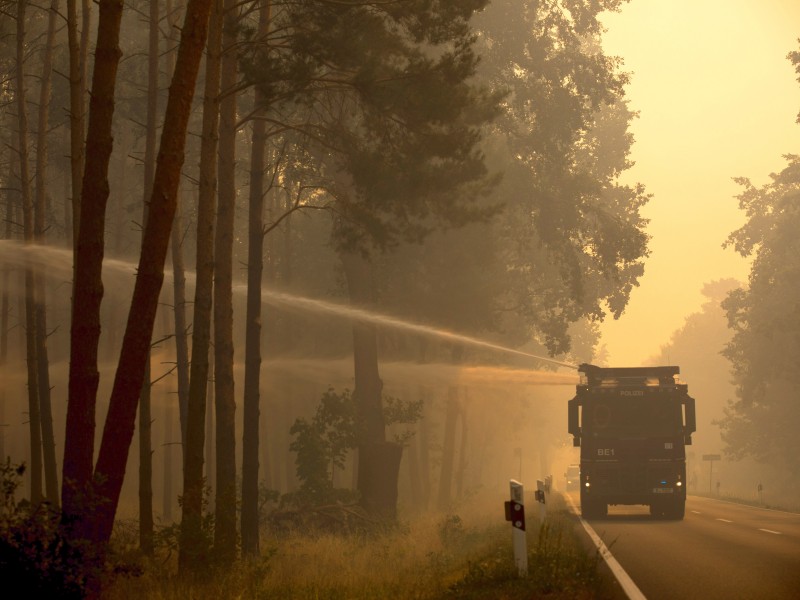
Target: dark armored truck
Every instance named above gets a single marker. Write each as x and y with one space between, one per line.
632 425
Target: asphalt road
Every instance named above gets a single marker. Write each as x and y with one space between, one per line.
720 550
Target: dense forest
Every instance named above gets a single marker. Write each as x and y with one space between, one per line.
260 259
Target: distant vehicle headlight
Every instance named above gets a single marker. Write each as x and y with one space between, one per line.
679 484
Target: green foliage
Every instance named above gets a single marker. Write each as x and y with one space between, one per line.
34 557
322 443
574 235
168 538
382 97
794 58
765 320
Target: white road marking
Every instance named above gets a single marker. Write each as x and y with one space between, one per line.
770 531
725 520
628 586
697 512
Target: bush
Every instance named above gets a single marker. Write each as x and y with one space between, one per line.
34 555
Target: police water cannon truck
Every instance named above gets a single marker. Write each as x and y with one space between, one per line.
632 425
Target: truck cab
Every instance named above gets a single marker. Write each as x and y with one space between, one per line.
632 425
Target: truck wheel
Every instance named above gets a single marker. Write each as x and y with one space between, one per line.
677 510
593 509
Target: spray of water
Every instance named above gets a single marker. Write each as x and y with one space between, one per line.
15 253
339 372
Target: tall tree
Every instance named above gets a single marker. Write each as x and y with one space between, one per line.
34 415
765 320
120 421
78 50
398 131
39 229
178 270
252 373
562 142
191 545
88 285
119 425
224 399
146 521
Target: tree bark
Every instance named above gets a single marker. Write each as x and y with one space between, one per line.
255 268
146 524
119 425
4 316
178 272
192 556
88 284
30 303
462 451
225 403
378 460
77 82
39 228
448 448
166 463
146 520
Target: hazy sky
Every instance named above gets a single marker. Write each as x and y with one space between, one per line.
717 99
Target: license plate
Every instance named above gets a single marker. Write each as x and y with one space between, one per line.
663 490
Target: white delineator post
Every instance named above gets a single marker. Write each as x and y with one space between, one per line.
515 512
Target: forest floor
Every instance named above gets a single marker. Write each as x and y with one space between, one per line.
464 554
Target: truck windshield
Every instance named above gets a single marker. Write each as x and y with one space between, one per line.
633 417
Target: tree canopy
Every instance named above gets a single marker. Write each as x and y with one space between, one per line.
765 319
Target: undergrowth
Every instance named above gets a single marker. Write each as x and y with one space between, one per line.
460 555
465 554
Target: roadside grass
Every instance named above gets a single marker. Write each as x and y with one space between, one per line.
465 554
792 507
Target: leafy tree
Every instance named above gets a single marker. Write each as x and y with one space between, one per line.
765 319
33 555
382 96
322 443
574 237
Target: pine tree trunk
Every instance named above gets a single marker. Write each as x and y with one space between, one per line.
179 310
146 524
255 268
448 449
5 307
414 475
166 463
30 303
424 450
39 228
225 510
77 90
462 451
119 425
88 284
146 519
196 410
4 318
378 460
178 270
